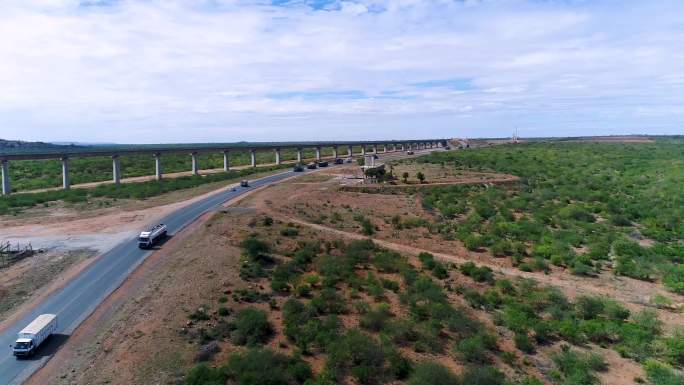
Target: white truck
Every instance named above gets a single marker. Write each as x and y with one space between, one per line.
148 238
29 338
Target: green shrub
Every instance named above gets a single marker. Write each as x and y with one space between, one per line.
578 368
479 274
251 327
432 373
674 279
265 367
523 343
204 374
475 348
660 374
375 320
482 375
357 354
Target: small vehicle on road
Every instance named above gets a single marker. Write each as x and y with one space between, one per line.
311 166
409 152
349 160
298 168
375 156
323 164
447 148
244 183
339 161
34 334
151 236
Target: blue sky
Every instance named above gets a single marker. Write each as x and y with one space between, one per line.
153 71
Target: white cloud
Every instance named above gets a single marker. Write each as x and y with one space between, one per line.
231 70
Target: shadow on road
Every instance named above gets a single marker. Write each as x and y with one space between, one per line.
48 348
161 242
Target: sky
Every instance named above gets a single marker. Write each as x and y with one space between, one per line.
165 71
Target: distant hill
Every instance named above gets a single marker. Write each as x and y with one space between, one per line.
15 146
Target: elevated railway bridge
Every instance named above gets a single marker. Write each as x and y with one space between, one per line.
193 150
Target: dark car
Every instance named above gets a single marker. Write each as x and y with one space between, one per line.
298 168
447 148
311 166
409 152
375 156
323 164
244 183
339 161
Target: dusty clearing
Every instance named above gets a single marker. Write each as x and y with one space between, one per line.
29 278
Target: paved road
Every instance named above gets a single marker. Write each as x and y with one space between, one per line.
79 298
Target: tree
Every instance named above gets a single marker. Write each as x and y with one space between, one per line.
405 176
421 177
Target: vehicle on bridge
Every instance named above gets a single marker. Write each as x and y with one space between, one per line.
298 168
323 164
311 166
244 183
409 152
30 337
148 238
339 161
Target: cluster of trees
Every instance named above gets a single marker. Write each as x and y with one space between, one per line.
578 206
542 315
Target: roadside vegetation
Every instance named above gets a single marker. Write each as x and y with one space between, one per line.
140 190
585 207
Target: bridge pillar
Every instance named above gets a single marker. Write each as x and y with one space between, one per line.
375 149
278 157
299 155
66 183
384 148
318 153
195 166
226 160
350 151
116 169
334 152
157 166
5 177
252 156
363 149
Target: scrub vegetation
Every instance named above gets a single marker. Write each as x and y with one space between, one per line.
585 207
362 314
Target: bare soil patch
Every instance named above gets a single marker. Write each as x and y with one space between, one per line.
30 278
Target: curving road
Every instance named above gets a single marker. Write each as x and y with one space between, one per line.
79 298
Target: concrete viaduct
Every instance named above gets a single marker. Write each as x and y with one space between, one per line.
194 150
